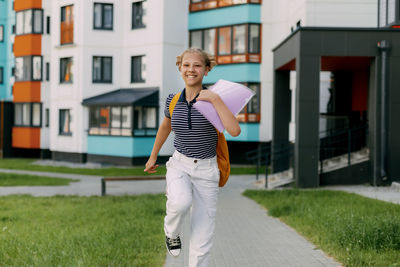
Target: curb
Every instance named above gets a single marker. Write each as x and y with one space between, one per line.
395 186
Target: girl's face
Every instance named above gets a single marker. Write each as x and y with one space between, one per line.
193 69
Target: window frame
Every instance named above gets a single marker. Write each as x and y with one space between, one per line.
102 27
141 24
62 80
60 130
1 75
32 30
102 65
142 79
30 124
31 72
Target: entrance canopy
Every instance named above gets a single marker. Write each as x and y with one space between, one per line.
121 97
309 51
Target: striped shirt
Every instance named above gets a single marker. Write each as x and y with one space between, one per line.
195 136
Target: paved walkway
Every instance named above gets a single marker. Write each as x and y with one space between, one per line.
245 234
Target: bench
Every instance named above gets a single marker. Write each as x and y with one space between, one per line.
127 178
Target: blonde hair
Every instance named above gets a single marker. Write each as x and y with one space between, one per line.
209 60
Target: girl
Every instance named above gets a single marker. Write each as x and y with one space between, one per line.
192 171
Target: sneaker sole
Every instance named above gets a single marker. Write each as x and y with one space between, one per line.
170 253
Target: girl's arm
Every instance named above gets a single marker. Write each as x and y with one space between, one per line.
229 121
162 135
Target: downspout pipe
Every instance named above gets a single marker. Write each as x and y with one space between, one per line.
384 47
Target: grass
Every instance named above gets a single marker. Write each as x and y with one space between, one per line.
357 231
82 231
10 179
27 164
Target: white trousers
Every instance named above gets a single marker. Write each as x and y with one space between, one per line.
192 183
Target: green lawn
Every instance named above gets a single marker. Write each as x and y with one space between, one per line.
357 231
82 231
11 179
26 164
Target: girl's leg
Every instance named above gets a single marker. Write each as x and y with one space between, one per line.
179 198
204 207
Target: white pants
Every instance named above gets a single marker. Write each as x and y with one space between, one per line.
192 183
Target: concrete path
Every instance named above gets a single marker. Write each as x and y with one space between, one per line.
247 236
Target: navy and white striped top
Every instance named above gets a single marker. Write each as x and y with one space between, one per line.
195 136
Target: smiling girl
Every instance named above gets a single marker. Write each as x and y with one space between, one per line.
192 171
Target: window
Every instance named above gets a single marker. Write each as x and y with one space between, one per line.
28 68
48 25
66 75
67 25
28 114
144 121
1 75
1 33
235 44
102 69
196 5
106 120
47 114
239 39
138 13
251 112
204 39
138 69
29 21
123 120
103 16
47 71
224 41
65 122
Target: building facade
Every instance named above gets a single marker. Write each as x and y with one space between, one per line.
70 53
92 83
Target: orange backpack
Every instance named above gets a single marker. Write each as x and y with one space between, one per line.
222 149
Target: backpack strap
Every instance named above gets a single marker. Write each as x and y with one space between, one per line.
173 102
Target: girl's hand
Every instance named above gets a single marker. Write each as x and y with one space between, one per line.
207 95
151 166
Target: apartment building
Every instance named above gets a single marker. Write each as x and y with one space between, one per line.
90 77
116 70
242 34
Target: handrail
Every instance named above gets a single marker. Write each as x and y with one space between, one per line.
334 143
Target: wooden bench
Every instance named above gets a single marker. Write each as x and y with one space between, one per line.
127 178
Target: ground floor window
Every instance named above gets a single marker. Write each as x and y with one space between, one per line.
28 114
65 122
251 112
123 120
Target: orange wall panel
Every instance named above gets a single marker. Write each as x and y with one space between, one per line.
25 137
26 91
27 4
29 44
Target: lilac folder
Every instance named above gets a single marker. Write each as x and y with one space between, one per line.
234 95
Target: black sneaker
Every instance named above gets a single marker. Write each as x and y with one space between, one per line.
173 245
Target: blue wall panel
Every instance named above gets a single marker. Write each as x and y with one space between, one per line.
225 16
7 20
120 146
250 132
243 72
